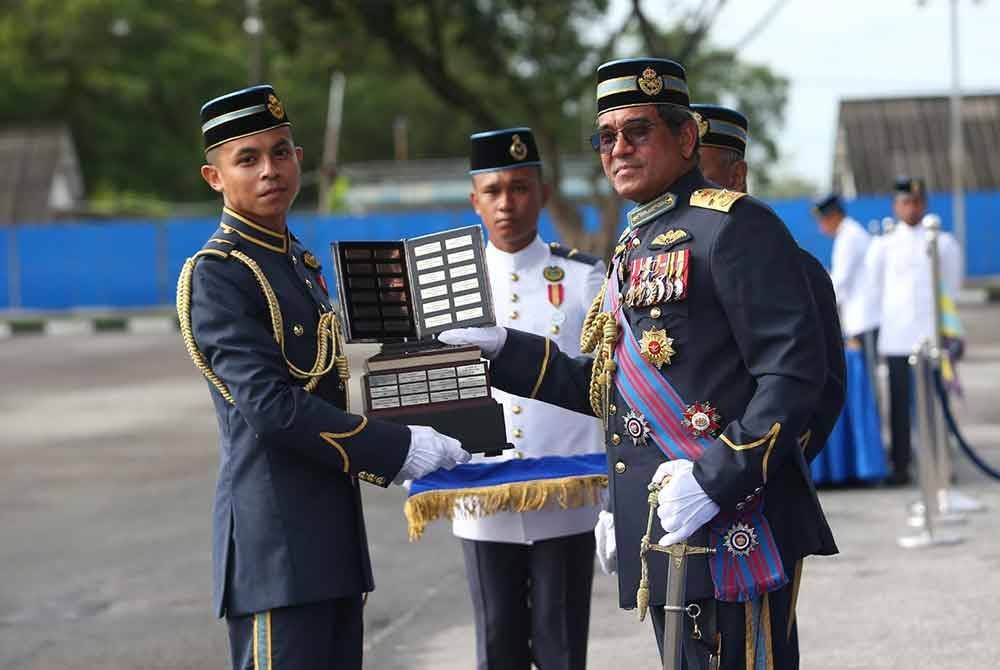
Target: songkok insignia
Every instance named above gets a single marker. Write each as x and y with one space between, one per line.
275 107
656 347
636 427
310 261
740 539
554 273
518 149
702 419
650 82
702 124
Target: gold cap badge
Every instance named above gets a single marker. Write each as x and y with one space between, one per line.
311 262
275 107
650 82
518 149
702 124
656 347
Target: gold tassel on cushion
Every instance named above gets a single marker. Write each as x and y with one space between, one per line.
529 496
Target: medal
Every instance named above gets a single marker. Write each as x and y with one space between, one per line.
556 294
702 419
740 539
636 427
656 347
554 273
310 261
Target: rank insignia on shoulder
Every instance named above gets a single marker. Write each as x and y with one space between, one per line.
718 199
311 262
553 273
656 347
636 427
670 238
702 419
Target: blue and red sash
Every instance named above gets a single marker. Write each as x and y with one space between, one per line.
737 576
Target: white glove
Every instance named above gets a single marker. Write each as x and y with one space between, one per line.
430 451
607 549
684 505
490 339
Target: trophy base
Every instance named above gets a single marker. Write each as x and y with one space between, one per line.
478 424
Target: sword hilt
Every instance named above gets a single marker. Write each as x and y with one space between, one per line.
678 551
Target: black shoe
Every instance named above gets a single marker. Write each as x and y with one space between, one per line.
897 479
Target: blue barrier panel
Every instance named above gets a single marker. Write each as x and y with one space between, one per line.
136 263
88 264
5 235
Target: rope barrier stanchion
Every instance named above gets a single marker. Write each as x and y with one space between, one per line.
929 535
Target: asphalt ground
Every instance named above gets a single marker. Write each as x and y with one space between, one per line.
107 469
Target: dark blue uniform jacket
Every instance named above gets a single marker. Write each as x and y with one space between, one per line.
288 525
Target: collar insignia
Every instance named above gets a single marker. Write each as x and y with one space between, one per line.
652 209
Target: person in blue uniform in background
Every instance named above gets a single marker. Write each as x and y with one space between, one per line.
708 367
290 552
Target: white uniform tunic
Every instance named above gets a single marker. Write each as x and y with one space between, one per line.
520 294
858 302
902 269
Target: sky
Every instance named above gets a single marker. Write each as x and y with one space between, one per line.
854 49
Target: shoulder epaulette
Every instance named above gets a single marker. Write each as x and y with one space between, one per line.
573 254
219 245
718 199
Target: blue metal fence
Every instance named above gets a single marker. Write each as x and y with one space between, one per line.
135 263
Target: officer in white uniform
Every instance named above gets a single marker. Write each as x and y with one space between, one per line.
901 272
858 303
530 573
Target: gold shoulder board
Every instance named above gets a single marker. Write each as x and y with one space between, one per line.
718 199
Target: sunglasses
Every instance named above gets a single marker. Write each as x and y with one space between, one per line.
635 134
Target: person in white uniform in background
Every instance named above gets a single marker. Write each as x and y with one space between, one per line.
856 299
530 573
901 271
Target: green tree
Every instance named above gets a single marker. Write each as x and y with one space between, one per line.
506 62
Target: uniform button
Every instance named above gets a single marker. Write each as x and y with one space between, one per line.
749 499
555 329
516 409
309 283
612 408
757 491
616 439
740 506
513 276
294 260
655 313
518 454
518 433
620 468
298 329
513 315
513 297
635 242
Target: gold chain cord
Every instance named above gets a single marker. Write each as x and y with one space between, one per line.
599 336
330 350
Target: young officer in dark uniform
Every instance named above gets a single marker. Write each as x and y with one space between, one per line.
290 554
722 150
708 354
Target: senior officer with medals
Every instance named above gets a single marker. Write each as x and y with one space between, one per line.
290 554
530 572
724 134
708 355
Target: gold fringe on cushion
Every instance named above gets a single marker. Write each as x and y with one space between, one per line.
529 496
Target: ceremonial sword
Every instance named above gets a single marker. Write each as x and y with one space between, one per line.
674 608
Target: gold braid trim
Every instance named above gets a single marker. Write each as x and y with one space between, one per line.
599 336
187 334
567 492
330 350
